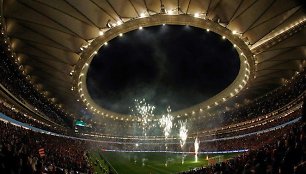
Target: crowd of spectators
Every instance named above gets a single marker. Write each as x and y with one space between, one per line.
246 142
19 152
16 83
26 151
257 125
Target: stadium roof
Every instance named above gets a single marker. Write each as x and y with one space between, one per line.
48 38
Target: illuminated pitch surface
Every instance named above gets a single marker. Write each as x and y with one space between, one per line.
171 65
154 163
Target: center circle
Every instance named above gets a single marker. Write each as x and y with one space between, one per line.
168 65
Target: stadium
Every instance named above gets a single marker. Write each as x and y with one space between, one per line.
153 86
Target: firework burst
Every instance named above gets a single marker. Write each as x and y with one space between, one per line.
145 112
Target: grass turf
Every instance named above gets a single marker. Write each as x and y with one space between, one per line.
150 163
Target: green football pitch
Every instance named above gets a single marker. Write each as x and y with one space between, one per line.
149 162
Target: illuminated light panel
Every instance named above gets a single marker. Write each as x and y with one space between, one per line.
140 28
101 33
119 22
170 12
142 15
120 34
196 15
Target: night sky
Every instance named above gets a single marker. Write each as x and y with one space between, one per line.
171 65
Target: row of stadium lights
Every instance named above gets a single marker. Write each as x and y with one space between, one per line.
142 15
216 103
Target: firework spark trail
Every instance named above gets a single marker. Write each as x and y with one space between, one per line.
196 148
166 123
183 133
